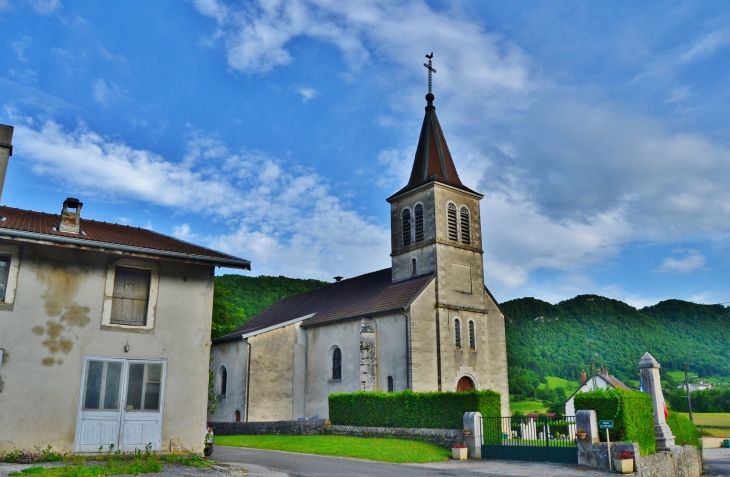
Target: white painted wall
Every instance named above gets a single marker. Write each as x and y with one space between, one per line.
234 356
588 386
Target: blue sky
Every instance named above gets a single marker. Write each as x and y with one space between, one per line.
598 132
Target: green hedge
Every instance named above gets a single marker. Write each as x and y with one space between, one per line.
409 409
631 413
685 432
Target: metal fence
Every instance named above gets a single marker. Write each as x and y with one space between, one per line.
539 438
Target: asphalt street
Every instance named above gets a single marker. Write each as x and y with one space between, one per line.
287 464
716 462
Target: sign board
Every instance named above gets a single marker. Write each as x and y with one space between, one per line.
605 424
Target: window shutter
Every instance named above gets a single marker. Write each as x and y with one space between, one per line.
406 227
418 212
451 219
465 228
129 300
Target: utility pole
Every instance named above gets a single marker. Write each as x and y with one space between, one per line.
686 387
593 362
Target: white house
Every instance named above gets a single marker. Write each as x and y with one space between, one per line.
602 380
104 333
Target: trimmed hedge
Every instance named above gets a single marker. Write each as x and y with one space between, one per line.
685 432
410 410
631 413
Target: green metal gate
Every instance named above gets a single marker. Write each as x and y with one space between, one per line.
538 438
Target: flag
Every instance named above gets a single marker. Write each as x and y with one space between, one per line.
666 412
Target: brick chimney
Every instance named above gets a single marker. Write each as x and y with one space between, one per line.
71 216
583 378
605 371
6 150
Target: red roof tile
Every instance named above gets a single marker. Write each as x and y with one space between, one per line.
104 234
366 295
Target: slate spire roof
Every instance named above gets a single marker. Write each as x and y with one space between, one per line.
433 160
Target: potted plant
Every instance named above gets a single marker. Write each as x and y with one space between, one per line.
466 432
624 462
459 451
581 433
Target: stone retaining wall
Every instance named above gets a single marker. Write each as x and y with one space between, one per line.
441 437
682 461
288 428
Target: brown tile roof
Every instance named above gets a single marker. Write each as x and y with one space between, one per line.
103 235
433 160
613 381
366 295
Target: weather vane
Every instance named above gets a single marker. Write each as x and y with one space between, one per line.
430 70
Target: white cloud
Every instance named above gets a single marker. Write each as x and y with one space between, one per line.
307 93
19 46
693 260
105 93
279 215
704 47
44 7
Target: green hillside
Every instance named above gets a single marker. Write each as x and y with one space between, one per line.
551 340
238 297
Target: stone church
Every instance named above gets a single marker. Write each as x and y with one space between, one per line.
428 323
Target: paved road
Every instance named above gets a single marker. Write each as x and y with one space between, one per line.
287 464
716 462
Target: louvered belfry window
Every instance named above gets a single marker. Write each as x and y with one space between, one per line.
457 333
472 337
129 301
451 219
465 229
418 212
406 227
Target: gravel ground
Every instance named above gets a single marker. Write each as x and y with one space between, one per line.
168 470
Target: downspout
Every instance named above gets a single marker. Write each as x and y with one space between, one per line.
248 377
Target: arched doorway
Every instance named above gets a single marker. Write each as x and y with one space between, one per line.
465 384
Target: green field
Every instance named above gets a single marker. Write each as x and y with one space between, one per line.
397 451
716 424
554 382
679 377
527 406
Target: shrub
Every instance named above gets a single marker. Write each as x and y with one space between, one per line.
631 413
683 429
411 410
708 400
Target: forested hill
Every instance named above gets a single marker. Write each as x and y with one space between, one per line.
551 340
238 297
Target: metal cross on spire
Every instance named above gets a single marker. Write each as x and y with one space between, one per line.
430 70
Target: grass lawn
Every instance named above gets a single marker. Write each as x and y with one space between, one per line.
718 422
397 451
554 382
527 406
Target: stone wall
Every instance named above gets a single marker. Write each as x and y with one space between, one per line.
288 428
682 461
441 437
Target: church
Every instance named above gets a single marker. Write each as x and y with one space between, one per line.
426 324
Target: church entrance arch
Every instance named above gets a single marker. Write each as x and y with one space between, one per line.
465 384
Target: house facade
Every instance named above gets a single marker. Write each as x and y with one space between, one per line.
104 334
601 380
428 323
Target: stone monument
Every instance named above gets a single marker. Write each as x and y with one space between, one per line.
649 369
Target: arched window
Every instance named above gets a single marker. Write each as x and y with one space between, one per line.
465 229
418 212
406 219
472 336
390 384
223 381
238 415
457 332
451 222
337 364
414 267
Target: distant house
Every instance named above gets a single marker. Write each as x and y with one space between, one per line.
603 381
701 386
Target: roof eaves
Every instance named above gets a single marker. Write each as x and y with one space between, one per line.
62 240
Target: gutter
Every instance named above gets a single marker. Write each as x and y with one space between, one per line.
122 249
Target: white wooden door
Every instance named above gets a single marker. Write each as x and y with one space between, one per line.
121 404
100 405
142 414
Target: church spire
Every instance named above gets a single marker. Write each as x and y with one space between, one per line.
433 160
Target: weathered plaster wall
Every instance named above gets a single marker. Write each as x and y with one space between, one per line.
234 356
56 321
424 370
424 252
392 352
271 393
